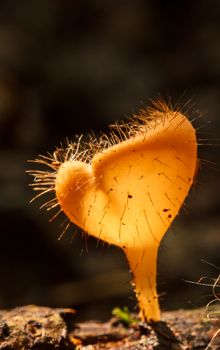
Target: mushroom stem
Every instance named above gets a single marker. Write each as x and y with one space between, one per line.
143 264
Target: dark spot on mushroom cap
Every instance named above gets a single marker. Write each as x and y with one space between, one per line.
169 216
130 196
165 210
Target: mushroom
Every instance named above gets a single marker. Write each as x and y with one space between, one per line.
127 188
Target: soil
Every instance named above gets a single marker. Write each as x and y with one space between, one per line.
33 327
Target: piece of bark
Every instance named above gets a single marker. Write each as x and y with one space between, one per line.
33 327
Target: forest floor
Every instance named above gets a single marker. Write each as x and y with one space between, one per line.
42 328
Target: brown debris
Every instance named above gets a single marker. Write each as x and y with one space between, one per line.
33 327
43 328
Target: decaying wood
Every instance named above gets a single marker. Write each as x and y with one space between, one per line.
33 327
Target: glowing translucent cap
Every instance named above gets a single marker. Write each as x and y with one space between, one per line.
131 192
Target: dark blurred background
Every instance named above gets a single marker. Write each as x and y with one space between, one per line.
69 67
